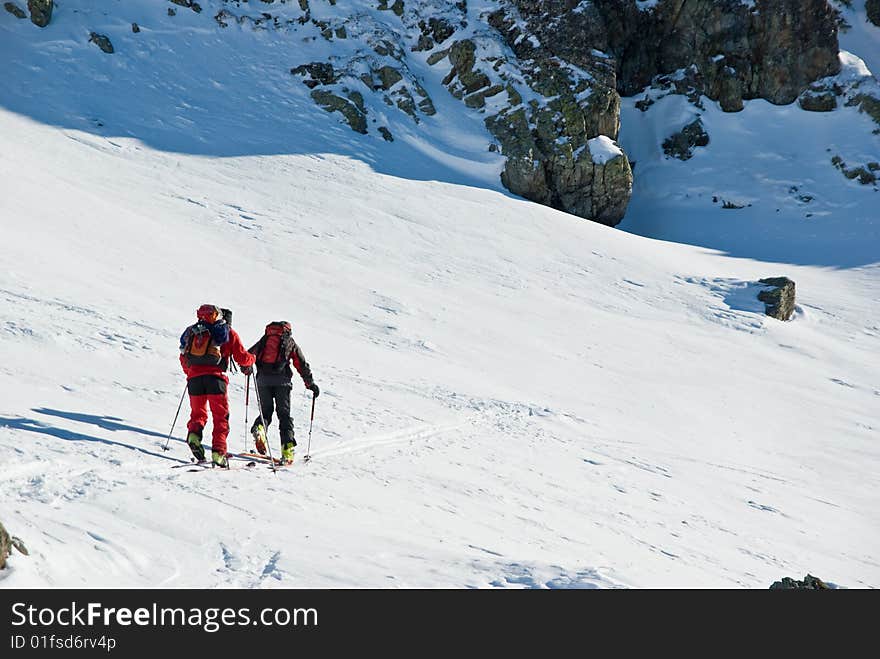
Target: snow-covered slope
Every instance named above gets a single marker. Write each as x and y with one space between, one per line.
765 186
510 396
859 35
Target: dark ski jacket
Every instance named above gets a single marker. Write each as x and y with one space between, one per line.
269 376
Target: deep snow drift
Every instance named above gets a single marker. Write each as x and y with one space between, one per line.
511 396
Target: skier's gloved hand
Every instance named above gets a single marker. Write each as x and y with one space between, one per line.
314 388
247 370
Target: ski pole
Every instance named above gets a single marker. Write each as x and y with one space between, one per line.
247 399
171 432
311 421
268 443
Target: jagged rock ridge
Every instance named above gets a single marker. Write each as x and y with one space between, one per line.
545 76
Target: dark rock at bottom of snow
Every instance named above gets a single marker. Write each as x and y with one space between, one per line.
779 301
7 542
41 11
102 41
825 101
681 145
14 9
352 110
872 8
809 583
189 4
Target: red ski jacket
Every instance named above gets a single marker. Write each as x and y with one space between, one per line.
232 348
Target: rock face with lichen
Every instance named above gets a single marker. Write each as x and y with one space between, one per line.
547 141
809 583
544 77
540 111
872 9
778 298
681 145
7 544
102 41
41 11
14 9
770 49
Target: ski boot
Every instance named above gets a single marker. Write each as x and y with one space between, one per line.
259 432
287 454
194 440
219 459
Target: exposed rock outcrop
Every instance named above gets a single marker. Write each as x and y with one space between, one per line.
872 8
866 174
779 299
546 140
771 49
809 583
550 142
14 9
545 76
102 41
681 145
352 109
818 101
189 4
319 73
868 104
41 11
7 544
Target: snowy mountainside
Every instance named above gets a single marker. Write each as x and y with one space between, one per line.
183 83
449 92
511 396
766 185
857 33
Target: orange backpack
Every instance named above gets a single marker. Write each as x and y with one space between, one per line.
199 346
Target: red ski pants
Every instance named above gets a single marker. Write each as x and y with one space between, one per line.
220 413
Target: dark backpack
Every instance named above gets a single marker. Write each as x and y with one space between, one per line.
273 350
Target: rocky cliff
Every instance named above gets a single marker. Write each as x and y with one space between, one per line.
770 49
544 76
547 74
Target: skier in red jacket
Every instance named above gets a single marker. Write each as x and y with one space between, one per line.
205 350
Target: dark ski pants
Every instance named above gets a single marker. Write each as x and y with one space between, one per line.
209 391
277 398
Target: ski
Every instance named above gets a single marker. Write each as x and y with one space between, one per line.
205 465
261 459
258 457
193 463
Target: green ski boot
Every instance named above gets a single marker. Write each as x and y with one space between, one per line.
194 440
287 454
259 433
219 459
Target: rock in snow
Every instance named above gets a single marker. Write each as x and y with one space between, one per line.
41 11
809 583
780 299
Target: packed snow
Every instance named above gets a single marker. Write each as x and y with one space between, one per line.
510 396
603 149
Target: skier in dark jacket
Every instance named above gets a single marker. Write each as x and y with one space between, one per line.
275 352
205 351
